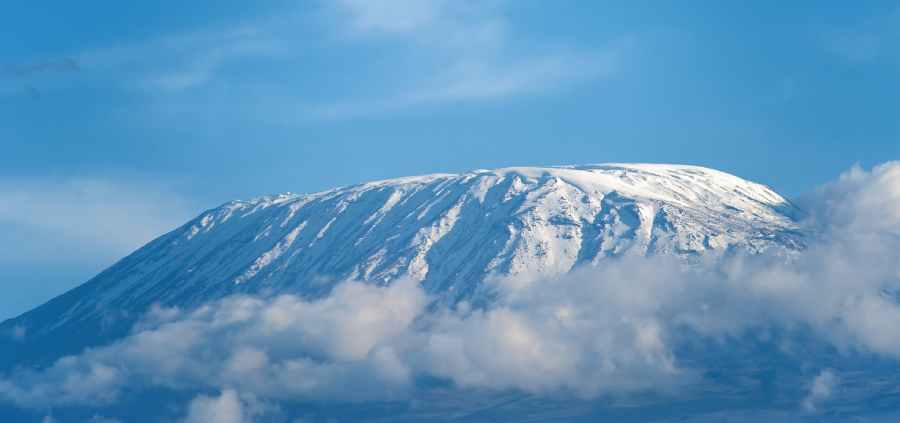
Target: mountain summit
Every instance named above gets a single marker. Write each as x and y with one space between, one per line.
451 232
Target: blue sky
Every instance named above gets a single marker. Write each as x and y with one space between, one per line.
119 121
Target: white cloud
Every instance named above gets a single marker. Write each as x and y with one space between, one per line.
72 380
395 16
173 63
614 330
199 66
462 51
861 202
820 390
466 79
226 408
429 52
282 348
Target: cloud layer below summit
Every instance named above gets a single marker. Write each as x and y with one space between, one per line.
618 329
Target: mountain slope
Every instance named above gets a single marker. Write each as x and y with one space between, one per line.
451 232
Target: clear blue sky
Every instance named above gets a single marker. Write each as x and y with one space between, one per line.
120 120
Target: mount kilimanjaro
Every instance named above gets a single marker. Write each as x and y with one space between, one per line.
450 232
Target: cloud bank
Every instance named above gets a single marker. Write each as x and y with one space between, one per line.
619 329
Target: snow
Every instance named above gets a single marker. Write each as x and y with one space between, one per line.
269 256
451 232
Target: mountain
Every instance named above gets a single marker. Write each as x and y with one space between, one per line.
449 231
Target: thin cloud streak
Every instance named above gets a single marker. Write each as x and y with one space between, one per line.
468 52
174 63
127 214
446 53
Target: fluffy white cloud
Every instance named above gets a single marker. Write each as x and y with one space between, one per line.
282 348
860 202
226 408
614 329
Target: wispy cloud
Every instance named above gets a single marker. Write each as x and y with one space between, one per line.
395 16
877 37
435 52
75 211
480 80
173 63
461 51
820 390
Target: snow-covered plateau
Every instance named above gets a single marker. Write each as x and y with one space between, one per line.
451 232
542 292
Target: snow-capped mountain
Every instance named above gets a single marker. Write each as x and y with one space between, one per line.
451 232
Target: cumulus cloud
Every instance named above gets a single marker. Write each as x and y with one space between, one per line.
279 348
860 202
617 329
579 334
226 408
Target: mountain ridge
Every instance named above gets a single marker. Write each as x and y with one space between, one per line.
450 232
